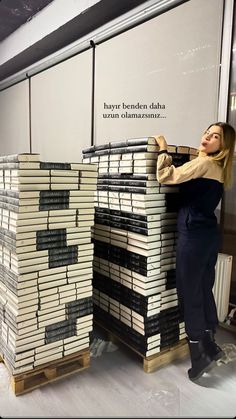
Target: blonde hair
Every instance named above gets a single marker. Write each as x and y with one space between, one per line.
226 154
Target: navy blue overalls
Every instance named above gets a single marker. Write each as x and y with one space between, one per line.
197 248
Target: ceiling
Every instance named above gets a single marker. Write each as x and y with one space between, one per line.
93 17
14 13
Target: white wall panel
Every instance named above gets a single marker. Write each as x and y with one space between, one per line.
14 119
172 60
61 109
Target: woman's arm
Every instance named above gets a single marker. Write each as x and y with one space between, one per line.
169 174
161 142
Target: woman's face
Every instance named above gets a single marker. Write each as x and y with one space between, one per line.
211 140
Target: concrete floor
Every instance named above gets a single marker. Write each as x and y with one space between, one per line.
115 386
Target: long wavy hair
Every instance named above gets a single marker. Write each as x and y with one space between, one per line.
226 154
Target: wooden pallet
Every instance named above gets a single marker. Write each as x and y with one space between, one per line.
152 363
49 372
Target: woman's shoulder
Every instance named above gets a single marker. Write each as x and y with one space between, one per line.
212 168
207 161
201 161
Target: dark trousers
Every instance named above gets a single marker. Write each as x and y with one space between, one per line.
195 275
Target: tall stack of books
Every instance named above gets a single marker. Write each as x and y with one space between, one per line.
135 238
46 257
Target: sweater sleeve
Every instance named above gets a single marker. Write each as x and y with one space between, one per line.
169 174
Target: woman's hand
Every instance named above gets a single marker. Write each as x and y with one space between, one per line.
161 141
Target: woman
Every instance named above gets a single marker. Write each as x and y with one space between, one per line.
202 182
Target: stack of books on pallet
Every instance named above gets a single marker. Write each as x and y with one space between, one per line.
134 245
46 256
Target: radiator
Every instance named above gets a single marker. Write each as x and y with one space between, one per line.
221 289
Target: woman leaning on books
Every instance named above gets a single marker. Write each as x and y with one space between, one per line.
202 182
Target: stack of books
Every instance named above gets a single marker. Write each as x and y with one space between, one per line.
46 257
134 244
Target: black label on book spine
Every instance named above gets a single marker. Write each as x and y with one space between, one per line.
48 239
63 256
64 324
88 150
117 254
47 200
55 166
